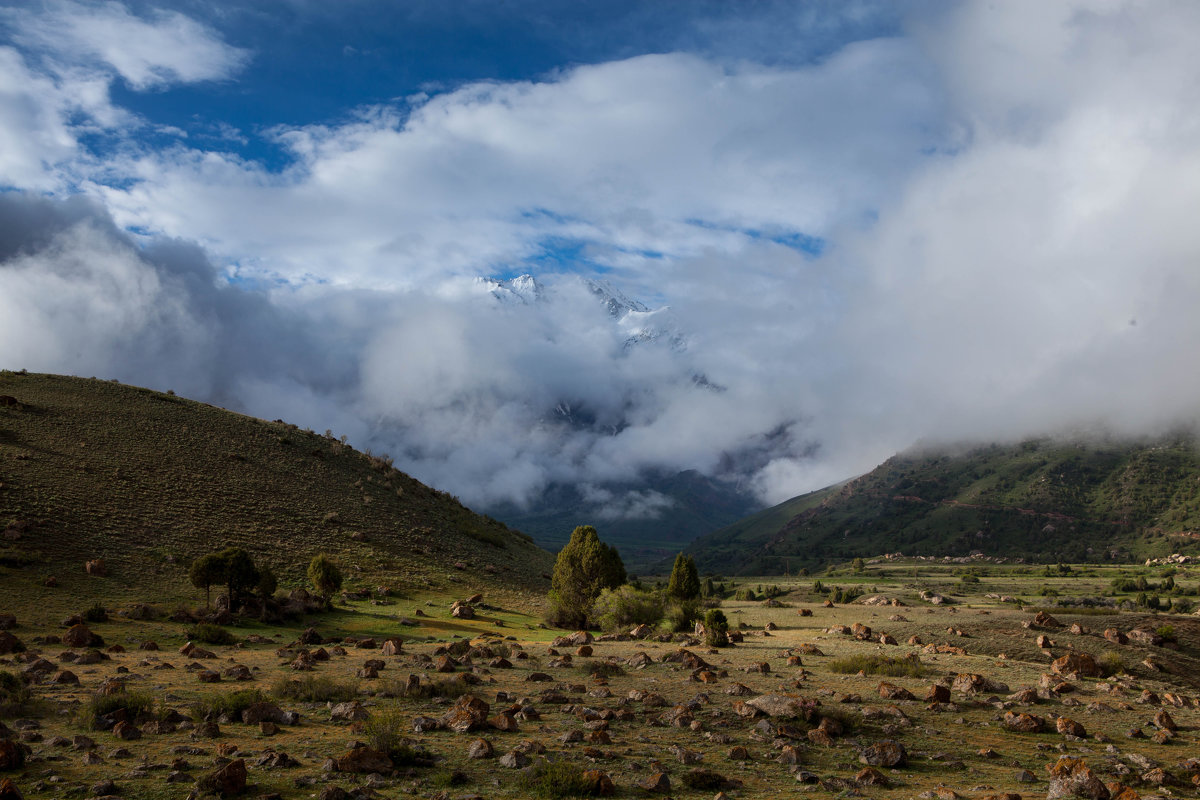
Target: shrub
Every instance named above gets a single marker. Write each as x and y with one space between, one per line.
969 579
445 687
314 689
555 779
230 704
325 576
1111 663
96 613
1167 632
746 595
878 665
716 628
133 703
625 606
13 693
383 729
210 634
682 614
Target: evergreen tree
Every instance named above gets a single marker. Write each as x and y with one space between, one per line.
684 583
584 568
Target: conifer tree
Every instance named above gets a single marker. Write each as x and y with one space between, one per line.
684 583
584 568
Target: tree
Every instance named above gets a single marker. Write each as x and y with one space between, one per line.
207 570
325 576
584 568
684 583
240 573
267 583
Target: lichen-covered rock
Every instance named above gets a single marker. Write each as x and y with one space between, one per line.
884 753
1071 777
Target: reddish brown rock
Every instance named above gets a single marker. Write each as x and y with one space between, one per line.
1076 664
1164 721
1069 727
80 636
884 753
890 691
468 713
657 783
1023 723
1071 777
228 781
937 694
364 759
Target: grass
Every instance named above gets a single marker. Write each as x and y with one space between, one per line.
133 703
211 634
870 664
229 703
554 780
314 689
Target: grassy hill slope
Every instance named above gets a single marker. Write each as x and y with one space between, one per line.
148 481
1043 499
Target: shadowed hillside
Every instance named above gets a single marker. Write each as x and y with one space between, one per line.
1042 500
148 481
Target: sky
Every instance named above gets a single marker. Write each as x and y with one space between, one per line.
844 228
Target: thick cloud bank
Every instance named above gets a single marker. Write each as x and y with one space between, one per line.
981 230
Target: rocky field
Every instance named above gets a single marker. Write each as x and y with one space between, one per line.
892 697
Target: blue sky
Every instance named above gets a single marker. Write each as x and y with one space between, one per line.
865 224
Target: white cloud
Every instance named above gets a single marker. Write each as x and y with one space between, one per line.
1004 193
148 53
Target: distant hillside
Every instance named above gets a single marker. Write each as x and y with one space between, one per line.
148 481
687 505
1043 499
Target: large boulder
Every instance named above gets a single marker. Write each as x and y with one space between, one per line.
228 781
1076 664
1071 777
361 758
10 644
1023 723
468 713
784 705
884 753
81 636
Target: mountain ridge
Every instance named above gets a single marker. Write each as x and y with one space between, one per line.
1043 499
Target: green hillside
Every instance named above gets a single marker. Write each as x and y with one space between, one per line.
148 481
1041 499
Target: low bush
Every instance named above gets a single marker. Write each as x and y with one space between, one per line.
95 613
211 634
624 607
555 780
1111 663
716 628
682 614
231 704
314 689
132 703
878 665
13 693
450 688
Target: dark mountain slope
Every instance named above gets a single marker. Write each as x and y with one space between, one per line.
148 481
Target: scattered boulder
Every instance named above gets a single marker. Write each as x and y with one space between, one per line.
96 567
80 636
884 753
1023 723
10 644
1071 777
363 759
1076 665
228 781
1069 727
